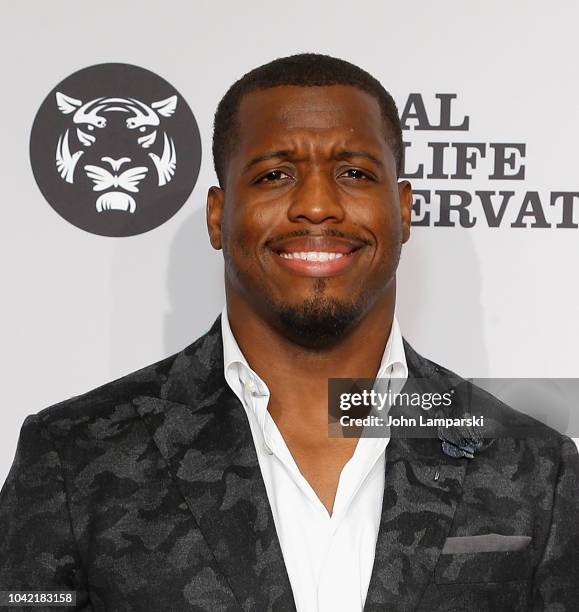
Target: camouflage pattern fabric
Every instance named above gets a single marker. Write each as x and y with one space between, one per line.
146 495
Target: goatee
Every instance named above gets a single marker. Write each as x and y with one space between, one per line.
318 322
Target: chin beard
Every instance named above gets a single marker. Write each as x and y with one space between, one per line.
318 322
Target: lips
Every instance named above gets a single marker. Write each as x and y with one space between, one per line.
328 244
316 255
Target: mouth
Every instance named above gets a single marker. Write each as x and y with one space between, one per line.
317 256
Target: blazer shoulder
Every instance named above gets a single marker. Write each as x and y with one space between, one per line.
480 402
112 397
111 404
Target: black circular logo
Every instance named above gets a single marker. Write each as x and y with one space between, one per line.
115 150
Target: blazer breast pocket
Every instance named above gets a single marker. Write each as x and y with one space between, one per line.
484 558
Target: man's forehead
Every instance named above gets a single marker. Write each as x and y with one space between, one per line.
291 107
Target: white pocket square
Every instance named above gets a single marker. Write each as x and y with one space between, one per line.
489 542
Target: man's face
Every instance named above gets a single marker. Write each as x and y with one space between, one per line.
311 219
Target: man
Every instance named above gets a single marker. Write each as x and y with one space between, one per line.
208 481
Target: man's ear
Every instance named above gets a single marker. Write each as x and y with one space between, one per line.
215 200
406 201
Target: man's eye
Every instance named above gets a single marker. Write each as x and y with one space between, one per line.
356 174
274 175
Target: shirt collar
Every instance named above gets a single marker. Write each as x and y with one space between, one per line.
393 362
238 373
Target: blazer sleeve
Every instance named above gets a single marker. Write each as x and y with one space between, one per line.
38 551
556 582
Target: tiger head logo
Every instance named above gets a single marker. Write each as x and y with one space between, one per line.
115 169
115 149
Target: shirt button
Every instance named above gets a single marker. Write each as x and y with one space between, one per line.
250 385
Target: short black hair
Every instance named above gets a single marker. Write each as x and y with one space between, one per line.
303 70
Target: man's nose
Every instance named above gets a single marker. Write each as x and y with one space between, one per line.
316 199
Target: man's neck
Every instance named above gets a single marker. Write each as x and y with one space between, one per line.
298 376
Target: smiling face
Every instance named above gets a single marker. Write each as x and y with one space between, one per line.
311 219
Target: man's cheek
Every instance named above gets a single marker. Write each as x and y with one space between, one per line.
239 250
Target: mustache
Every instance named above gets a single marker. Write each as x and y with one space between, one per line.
327 231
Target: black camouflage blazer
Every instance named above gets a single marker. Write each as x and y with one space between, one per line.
145 494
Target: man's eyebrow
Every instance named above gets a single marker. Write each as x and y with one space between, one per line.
365 154
286 153
282 153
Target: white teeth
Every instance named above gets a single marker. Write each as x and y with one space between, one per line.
312 256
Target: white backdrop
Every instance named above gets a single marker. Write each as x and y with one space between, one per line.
79 310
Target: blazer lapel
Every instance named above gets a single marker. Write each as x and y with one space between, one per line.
201 429
422 489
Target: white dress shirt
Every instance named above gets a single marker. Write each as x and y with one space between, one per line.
329 559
